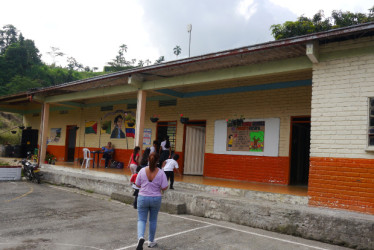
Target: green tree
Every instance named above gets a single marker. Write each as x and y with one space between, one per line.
8 36
147 62
177 50
21 83
160 60
304 25
73 64
120 60
140 63
54 53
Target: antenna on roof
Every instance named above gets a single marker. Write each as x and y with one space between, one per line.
189 30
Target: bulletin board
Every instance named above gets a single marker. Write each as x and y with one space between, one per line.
254 137
249 136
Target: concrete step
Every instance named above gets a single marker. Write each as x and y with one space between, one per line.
241 193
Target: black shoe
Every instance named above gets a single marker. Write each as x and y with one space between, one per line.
171 188
140 244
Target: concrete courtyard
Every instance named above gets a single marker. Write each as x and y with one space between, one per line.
55 217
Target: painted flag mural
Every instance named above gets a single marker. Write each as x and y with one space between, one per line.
106 127
91 127
130 131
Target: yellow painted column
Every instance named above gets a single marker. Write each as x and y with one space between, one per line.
140 115
43 133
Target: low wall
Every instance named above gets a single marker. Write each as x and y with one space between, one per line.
10 173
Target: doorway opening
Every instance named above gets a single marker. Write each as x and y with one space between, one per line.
167 129
29 142
299 150
71 135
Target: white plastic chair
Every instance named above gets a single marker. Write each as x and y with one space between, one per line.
86 157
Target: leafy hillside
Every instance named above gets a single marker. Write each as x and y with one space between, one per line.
9 122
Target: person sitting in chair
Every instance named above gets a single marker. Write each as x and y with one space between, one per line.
107 153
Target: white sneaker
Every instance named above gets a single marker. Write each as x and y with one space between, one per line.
152 244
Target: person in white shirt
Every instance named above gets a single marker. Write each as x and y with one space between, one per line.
165 150
168 166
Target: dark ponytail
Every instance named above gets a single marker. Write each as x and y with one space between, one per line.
136 151
167 144
153 160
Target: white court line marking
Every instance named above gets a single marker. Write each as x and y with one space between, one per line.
256 234
212 224
171 235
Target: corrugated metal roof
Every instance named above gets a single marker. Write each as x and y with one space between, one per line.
269 51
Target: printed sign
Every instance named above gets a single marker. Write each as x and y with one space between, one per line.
147 136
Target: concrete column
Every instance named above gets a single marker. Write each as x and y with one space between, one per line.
140 115
43 133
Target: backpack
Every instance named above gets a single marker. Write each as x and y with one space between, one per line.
116 164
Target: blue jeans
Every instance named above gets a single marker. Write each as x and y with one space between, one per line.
152 205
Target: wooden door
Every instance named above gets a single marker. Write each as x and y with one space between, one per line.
194 150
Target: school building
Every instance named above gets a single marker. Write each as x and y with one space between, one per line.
298 111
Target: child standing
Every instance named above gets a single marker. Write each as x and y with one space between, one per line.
136 189
168 166
134 160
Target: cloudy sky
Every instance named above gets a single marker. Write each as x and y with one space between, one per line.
91 31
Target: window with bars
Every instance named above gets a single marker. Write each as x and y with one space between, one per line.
371 122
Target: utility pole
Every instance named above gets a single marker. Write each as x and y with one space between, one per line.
189 30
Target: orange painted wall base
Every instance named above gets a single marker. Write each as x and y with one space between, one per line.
122 155
247 168
342 183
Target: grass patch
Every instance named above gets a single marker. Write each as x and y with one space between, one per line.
89 191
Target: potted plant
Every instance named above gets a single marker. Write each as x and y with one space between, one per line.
130 120
184 119
238 122
154 118
50 158
104 126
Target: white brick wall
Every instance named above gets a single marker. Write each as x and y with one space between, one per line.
341 88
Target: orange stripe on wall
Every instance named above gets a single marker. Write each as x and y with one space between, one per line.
247 168
342 183
57 151
122 155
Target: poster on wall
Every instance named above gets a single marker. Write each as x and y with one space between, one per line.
90 127
147 135
117 131
248 137
123 124
106 127
55 135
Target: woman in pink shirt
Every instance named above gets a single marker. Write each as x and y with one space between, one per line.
151 180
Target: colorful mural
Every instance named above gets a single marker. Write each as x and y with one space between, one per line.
249 136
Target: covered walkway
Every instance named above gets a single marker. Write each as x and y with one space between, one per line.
255 186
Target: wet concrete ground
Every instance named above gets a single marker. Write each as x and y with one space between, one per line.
43 216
